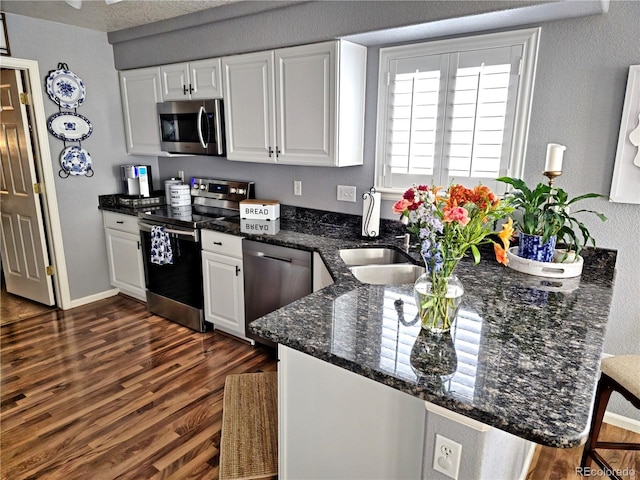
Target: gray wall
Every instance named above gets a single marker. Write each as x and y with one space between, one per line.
89 55
579 92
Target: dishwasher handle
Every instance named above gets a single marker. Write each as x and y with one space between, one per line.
268 256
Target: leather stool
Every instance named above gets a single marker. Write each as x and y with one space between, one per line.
620 374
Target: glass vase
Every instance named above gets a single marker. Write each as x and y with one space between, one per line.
438 299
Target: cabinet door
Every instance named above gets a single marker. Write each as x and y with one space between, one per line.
175 81
126 269
306 104
223 292
140 91
249 107
206 79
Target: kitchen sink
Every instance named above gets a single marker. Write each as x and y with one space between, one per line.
390 274
372 256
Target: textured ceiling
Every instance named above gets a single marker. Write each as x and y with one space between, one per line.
97 15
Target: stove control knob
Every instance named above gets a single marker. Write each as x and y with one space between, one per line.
203 186
241 191
232 190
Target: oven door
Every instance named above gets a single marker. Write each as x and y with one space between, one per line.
174 291
192 127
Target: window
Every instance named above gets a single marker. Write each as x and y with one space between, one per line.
454 110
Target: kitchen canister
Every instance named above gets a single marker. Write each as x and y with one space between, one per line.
180 195
167 188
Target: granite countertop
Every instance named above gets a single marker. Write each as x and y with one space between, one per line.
524 352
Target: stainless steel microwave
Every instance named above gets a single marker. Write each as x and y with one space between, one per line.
192 126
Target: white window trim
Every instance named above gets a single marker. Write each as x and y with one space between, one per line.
528 38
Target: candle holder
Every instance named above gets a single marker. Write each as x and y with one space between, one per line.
551 176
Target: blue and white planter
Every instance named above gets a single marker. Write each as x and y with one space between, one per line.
532 248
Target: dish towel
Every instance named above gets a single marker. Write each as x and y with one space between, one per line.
161 253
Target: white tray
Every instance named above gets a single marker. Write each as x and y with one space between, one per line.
544 269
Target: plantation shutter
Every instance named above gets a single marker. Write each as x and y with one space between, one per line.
416 111
479 125
450 117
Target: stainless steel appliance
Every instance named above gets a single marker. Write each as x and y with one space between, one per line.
174 291
274 276
136 180
192 126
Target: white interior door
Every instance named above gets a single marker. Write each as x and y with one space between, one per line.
23 244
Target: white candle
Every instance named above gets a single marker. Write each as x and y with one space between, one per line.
554 157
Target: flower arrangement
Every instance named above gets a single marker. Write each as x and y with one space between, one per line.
448 223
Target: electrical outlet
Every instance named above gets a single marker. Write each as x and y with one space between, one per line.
346 193
446 456
297 187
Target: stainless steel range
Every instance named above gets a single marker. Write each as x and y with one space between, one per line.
174 289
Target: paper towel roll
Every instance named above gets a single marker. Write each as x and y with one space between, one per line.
371 214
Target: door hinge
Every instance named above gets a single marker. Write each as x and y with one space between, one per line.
50 270
24 99
38 188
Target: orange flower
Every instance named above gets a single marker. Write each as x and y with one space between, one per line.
506 233
501 254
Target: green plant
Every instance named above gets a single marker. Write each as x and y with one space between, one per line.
545 211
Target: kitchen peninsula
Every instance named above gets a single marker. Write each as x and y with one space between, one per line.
528 347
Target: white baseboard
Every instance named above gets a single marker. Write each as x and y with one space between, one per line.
78 302
622 422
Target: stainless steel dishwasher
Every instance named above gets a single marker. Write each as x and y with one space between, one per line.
274 276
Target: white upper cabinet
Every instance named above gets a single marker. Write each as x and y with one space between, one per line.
192 80
140 90
297 106
249 107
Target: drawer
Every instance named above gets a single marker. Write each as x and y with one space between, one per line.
222 243
122 222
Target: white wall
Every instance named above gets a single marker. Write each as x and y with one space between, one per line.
88 55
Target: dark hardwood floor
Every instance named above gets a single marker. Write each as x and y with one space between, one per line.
14 308
110 391
561 463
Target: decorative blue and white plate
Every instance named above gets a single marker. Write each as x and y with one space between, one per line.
75 160
66 88
69 126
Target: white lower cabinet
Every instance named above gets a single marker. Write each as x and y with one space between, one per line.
321 276
223 282
124 254
335 424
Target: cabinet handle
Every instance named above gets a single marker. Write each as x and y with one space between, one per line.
217 243
237 270
278 152
270 151
190 89
138 244
184 89
120 222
